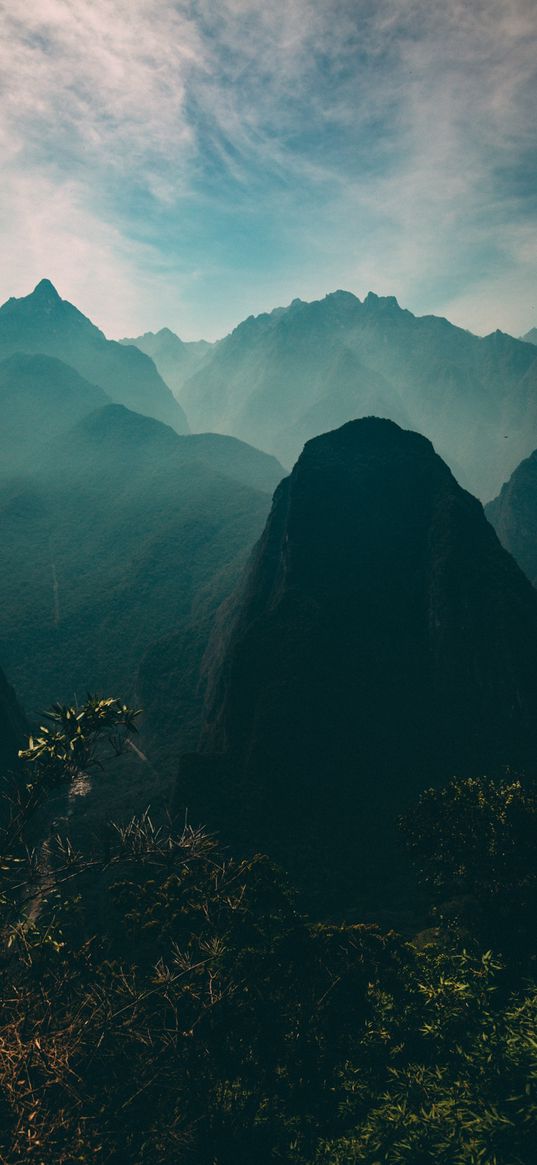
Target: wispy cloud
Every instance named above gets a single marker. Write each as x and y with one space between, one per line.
189 162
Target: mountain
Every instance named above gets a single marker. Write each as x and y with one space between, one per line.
175 359
109 538
531 336
12 726
514 516
281 378
41 398
381 641
45 324
236 459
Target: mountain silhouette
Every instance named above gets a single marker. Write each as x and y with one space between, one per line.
381 641
281 378
46 324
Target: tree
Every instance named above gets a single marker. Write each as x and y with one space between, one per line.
474 845
169 1004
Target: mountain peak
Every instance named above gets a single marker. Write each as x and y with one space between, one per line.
341 296
167 332
43 322
372 300
372 434
346 622
45 290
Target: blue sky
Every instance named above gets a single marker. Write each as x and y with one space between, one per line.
183 163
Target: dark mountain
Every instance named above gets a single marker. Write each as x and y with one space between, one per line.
13 727
43 323
514 516
531 336
108 543
175 359
283 377
13 733
382 640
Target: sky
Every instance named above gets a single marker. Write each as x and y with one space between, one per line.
187 163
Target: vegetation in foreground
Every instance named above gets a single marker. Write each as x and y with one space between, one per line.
163 1002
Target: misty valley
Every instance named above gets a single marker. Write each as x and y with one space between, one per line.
268 732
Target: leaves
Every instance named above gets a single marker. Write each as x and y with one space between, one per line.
80 739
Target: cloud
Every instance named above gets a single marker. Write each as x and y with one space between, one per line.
98 76
195 159
50 229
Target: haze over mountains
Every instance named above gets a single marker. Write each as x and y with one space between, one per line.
268 603
175 359
46 324
286 376
41 398
280 378
122 536
514 516
112 524
381 640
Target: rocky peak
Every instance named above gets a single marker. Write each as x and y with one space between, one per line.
382 640
46 292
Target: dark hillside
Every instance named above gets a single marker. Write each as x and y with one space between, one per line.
382 641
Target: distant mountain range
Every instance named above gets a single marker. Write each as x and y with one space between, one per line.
42 323
283 377
175 359
123 535
381 641
112 526
41 398
531 336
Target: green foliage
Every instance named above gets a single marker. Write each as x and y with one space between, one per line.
167 1004
462 1087
197 1019
474 844
80 740
76 742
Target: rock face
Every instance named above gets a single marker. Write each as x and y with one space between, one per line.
44 323
514 516
282 378
382 640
